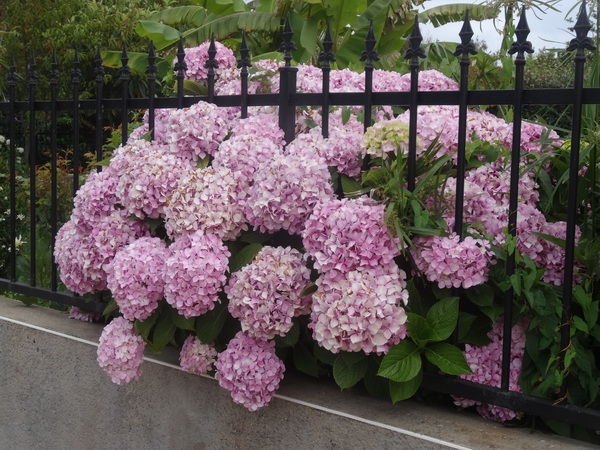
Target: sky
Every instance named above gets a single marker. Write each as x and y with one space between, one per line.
550 30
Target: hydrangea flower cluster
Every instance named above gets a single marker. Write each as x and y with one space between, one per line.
244 154
197 357
360 310
486 364
211 200
450 262
388 136
150 181
265 294
285 192
136 277
121 351
196 58
250 370
197 131
349 233
95 199
195 273
76 313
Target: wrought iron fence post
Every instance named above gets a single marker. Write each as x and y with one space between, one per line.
151 71
287 85
53 165
12 85
180 68
99 78
243 64
32 175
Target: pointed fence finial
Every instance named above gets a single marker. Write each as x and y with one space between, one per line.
99 68
125 69
370 54
327 56
522 45
151 69
466 46
287 46
180 65
211 62
582 28
244 62
415 51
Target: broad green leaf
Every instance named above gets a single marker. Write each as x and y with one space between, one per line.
401 363
162 335
190 16
455 12
448 358
442 318
209 325
181 321
143 327
418 329
110 308
305 361
160 34
244 256
254 237
402 390
291 337
376 386
138 62
349 369
309 36
481 295
324 355
580 324
191 87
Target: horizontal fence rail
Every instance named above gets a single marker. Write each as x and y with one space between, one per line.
288 99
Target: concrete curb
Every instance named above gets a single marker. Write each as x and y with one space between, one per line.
53 395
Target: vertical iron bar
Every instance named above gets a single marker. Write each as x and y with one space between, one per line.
12 85
151 70
579 43
465 48
75 74
99 74
180 68
287 85
32 177
124 72
519 47
369 55
243 64
325 58
53 166
414 52
211 64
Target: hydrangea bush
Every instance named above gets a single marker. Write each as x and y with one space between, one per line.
226 241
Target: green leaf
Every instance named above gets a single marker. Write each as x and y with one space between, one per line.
244 256
309 36
110 308
209 325
401 363
442 318
481 295
375 177
324 355
448 358
254 237
189 16
180 321
376 386
291 337
349 369
193 88
138 62
418 329
310 289
350 186
162 335
160 34
305 361
402 390
580 324
143 327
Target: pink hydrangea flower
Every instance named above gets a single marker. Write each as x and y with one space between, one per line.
285 192
121 351
195 273
82 257
197 357
196 57
150 180
262 126
349 233
135 277
160 125
265 294
95 199
211 200
486 364
76 313
450 262
250 370
360 310
197 131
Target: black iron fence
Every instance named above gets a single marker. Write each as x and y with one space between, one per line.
21 118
